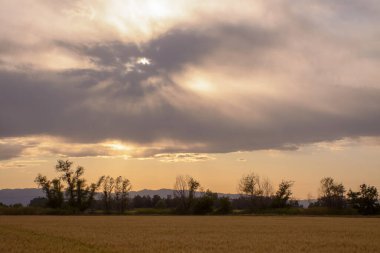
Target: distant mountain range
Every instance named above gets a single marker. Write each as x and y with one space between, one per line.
24 196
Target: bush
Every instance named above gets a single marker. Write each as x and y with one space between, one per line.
38 202
205 203
161 204
224 206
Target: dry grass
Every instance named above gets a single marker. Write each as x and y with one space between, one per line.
188 234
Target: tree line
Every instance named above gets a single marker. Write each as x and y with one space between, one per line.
71 191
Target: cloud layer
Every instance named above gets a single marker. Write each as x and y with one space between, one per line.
271 76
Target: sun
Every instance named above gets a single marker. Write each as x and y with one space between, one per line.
197 81
202 86
143 61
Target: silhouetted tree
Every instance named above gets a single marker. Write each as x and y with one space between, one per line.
68 176
283 194
204 204
38 202
249 185
161 204
122 189
331 194
155 200
88 194
223 205
266 187
365 200
171 202
142 201
250 188
147 201
137 201
108 185
80 196
294 203
184 189
241 203
52 189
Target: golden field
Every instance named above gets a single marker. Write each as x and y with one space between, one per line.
188 234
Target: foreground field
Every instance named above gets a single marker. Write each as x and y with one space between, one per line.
187 234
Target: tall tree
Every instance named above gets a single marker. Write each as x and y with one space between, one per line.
267 188
86 194
283 193
122 188
108 185
185 188
250 188
331 194
67 176
249 185
79 195
205 203
52 189
365 200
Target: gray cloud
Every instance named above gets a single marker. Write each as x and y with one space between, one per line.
328 96
9 151
81 152
57 109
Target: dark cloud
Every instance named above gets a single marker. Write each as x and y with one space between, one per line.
78 152
175 49
9 151
112 102
33 105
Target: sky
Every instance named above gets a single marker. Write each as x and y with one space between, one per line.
150 90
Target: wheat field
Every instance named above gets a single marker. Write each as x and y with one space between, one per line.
188 234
